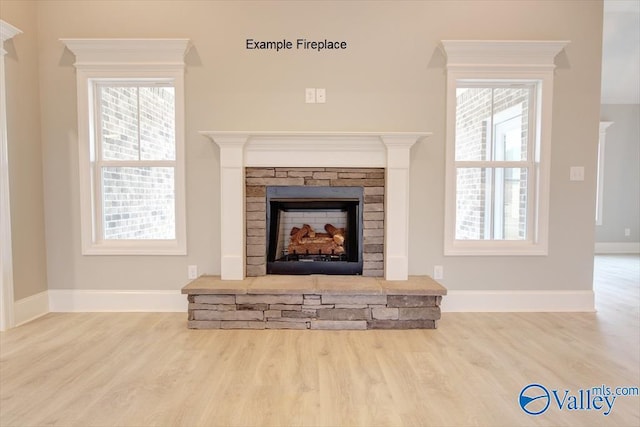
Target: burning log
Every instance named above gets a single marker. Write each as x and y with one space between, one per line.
306 240
336 233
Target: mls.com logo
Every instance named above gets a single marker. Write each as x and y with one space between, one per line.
534 399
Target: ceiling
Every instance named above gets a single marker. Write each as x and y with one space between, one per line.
621 52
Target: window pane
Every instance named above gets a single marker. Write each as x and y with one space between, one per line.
514 199
473 109
510 123
139 203
492 123
157 123
491 204
119 122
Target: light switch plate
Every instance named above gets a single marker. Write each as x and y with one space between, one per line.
576 173
321 95
310 95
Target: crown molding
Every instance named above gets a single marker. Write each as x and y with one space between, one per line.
154 52
502 54
8 31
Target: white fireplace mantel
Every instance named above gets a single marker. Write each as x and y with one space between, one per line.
389 150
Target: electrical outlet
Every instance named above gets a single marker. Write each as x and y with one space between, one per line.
627 232
192 271
438 272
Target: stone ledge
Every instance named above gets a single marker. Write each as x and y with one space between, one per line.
315 284
313 302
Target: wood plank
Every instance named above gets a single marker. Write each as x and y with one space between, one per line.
148 369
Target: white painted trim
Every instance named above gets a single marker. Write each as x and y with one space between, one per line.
30 308
502 55
600 170
239 149
518 301
127 59
7 315
617 248
78 300
492 62
133 52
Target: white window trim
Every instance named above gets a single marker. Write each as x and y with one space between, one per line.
127 59
600 172
494 61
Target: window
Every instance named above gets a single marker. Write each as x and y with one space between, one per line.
499 96
131 136
135 160
494 160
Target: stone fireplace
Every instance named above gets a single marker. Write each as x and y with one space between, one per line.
319 224
279 200
378 164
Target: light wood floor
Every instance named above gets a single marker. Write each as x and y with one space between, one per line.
144 369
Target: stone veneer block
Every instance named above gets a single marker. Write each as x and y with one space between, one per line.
345 305
347 284
367 182
285 307
227 315
423 313
269 299
219 307
295 319
401 324
286 325
260 307
275 181
339 324
242 325
215 299
256 270
255 191
269 314
384 313
299 314
354 299
344 314
415 285
260 172
412 300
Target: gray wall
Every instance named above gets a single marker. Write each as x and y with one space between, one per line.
391 78
621 192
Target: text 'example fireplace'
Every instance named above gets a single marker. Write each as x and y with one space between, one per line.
314 230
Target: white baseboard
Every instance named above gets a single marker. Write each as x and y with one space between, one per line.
30 308
518 301
617 248
77 300
74 300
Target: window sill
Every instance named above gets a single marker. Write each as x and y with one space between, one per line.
136 247
494 248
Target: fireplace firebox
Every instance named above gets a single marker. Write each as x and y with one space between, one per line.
314 230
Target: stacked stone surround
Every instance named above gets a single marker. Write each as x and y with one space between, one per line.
217 304
371 179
